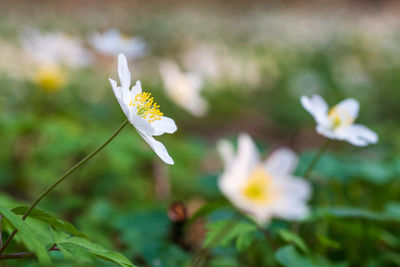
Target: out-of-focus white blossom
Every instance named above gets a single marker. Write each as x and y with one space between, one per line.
183 88
263 189
55 48
113 42
338 122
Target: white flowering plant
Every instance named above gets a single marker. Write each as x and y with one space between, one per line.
225 155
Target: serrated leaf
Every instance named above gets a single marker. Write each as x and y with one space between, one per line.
222 233
291 237
49 219
27 235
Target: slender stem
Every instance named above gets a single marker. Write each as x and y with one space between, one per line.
21 255
268 237
316 158
225 229
62 178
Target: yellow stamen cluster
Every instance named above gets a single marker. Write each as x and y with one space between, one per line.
146 107
339 118
257 187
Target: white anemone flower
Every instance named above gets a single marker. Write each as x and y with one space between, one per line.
338 122
55 48
263 190
141 110
183 88
113 42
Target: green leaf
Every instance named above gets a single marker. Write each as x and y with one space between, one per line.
49 219
392 210
75 253
81 247
27 235
291 237
290 257
389 238
350 213
327 242
222 233
244 241
205 210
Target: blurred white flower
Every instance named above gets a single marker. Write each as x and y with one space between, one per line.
202 58
50 78
263 189
183 88
112 42
240 70
55 49
141 110
338 122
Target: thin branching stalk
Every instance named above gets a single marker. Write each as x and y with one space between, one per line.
62 178
316 159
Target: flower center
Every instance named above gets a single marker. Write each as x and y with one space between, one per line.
146 107
339 118
50 78
257 187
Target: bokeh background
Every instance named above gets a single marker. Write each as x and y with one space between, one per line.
255 59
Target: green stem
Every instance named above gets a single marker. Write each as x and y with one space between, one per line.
62 178
228 226
316 158
21 255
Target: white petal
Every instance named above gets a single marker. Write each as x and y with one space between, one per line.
349 107
196 106
262 217
325 131
123 72
296 188
226 152
158 147
164 125
317 107
291 202
196 80
136 89
358 135
116 89
292 211
247 154
239 168
141 124
118 95
281 162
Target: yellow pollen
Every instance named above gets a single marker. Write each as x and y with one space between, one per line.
50 78
339 118
257 188
146 107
